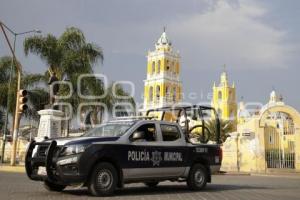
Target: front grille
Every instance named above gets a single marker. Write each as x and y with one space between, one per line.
42 151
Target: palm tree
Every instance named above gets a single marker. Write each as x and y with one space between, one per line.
70 56
226 127
30 82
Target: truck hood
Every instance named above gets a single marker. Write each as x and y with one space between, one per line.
82 140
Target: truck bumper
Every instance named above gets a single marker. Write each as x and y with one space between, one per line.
58 170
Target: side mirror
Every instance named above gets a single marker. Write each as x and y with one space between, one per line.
138 135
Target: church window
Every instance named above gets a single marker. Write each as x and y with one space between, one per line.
177 68
220 96
168 66
173 67
158 92
151 94
153 67
167 92
158 67
174 94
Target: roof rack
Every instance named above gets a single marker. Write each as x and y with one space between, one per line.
136 117
182 110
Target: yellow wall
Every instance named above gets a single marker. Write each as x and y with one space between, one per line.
247 152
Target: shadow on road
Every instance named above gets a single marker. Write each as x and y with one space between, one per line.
164 189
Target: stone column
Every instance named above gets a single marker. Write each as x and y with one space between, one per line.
50 124
297 149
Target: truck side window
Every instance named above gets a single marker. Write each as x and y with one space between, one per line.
170 132
148 133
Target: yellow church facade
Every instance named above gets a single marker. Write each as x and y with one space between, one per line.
224 99
267 140
162 86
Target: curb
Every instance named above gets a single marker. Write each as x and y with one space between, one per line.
288 175
233 173
12 169
295 175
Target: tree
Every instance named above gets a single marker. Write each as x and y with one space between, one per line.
30 82
70 56
226 127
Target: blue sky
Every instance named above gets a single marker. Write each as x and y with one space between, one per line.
257 40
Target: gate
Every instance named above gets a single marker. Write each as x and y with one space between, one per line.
280 147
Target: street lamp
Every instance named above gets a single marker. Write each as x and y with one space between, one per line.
17 115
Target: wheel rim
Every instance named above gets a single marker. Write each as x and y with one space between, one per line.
104 179
199 178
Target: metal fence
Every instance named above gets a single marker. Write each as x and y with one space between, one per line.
280 149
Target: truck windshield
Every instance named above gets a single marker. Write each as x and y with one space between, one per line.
109 130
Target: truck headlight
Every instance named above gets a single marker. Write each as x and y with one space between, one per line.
73 149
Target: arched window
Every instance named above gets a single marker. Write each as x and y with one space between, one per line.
151 94
158 67
168 92
173 67
168 65
174 94
230 98
157 92
153 67
220 95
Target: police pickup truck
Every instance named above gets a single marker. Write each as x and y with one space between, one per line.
123 151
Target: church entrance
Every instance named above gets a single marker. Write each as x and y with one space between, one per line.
280 143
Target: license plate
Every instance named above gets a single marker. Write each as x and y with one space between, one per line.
42 171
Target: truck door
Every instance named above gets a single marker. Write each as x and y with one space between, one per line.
143 155
174 150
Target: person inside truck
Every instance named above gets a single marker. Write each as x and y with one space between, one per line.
149 132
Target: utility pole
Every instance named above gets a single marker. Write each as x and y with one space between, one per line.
17 116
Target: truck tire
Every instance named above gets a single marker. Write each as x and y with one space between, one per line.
103 180
197 178
50 186
151 184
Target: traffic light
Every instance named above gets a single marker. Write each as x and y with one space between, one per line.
22 101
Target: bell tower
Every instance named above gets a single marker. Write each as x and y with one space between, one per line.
224 99
162 86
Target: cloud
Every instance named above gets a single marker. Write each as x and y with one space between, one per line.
231 33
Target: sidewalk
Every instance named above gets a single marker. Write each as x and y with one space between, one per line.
268 174
295 175
14 169
233 173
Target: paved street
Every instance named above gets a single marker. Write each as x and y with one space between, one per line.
18 186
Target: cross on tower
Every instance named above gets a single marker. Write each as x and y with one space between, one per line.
224 67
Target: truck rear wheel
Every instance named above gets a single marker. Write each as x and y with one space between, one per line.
103 180
53 186
151 184
197 177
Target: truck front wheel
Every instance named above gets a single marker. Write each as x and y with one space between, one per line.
103 180
50 186
197 177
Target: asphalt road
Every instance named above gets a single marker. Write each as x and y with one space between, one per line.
18 186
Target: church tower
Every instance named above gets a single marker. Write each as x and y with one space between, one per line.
224 99
162 86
